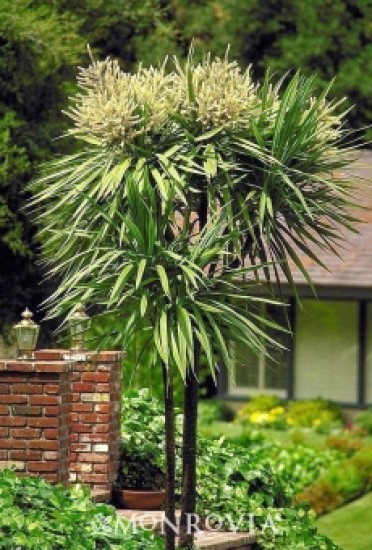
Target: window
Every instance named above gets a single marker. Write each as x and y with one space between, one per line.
368 388
326 354
256 374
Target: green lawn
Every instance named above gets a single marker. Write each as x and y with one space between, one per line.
351 525
232 431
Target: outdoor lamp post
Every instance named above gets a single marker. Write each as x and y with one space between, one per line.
79 323
26 332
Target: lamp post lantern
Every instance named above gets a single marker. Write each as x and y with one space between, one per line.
78 323
26 332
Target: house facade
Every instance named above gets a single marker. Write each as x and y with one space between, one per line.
328 351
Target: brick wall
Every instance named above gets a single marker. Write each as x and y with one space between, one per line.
95 422
61 418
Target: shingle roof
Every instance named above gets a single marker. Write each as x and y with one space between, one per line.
354 267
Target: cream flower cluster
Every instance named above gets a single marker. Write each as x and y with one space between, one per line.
224 96
115 107
107 108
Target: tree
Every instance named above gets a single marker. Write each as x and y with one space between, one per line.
186 176
39 50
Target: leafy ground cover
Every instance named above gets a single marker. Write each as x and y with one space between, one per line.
35 515
350 526
238 479
327 468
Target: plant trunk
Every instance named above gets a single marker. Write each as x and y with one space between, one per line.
190 426
188 504
170 480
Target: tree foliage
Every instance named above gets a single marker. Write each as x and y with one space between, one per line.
41 43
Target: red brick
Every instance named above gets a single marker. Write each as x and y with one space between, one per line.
93 478
44 445
12 421
50 367
94 418
74 417
43 422
101 428
4 409
27 388
81 428
94 438
53 478
94 457
13 399
50 433
83 387
104 408
25 455
4 388
50 455
26 410
26 433
102 388
3 455
44 400
51 411
51 388
13 444
20 367
42 466
75 447
82 407
98 377
4 432
101 468
50 354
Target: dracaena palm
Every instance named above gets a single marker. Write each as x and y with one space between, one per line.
143 272
180 166
134 263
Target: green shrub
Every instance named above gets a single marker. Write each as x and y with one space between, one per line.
298 466
142 457
322 497
320 414
362 461
346 480
364 421
270 411
213 410
262 410
236 481
341 483
139 471
35 515
345 445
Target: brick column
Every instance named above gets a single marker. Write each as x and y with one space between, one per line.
94 416
60 416
34 417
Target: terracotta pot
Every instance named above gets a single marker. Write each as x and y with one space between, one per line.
138 499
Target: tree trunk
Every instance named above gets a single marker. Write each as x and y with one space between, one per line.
170 483
190 426
189 480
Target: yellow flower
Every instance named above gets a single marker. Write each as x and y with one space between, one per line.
277 410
